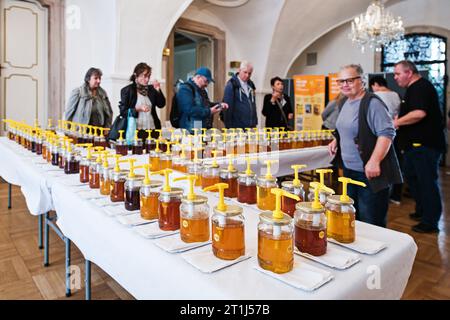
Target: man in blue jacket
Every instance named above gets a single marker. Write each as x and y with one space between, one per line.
194 105
240 96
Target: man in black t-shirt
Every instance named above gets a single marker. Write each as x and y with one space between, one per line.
421 138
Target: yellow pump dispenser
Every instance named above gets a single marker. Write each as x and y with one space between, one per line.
345 181
323 193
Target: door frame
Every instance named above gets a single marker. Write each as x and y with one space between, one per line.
55 56
219 58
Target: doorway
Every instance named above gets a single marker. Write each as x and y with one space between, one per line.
192 51
192 44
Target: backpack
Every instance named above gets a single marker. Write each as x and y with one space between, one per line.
175 113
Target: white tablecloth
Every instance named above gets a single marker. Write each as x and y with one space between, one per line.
16 167
148 272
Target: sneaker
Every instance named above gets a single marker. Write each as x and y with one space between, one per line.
424 228
396 202
415 216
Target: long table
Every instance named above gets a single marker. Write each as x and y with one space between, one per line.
148 272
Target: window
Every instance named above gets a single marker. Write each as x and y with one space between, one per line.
427 51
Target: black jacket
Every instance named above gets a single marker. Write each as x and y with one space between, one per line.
272 112
128 99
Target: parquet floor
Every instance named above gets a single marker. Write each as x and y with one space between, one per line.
22 275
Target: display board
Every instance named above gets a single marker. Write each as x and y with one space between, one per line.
309 101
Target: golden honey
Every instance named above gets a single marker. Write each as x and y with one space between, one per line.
276 254
228 241
105 186
150 206
265 199
195 229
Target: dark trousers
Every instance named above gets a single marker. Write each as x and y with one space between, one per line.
370 207
421 169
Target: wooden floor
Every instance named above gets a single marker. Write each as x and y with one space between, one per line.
22 275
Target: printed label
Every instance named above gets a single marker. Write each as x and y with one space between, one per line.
321 234
185 224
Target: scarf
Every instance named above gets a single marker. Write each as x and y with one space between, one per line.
143 90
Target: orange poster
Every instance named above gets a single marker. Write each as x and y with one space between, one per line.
309 101
333 88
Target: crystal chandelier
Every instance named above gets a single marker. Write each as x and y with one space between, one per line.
376 28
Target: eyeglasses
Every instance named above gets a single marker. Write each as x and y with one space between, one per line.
350 81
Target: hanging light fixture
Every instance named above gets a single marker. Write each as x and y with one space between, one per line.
376 28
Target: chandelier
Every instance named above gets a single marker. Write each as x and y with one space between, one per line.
376 28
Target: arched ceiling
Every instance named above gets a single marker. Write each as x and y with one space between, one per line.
302 22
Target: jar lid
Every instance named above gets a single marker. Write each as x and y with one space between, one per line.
137 177
120 174
267 217
231 211
245 175
308 208
197 200
121 142
290 185
336 199
228 171
153 184
265 179
172 192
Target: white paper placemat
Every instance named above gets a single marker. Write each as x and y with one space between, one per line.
118 210
174 244
204 260
303 276
133 220
39 161
106 202
363 245
333 258
152 231
72 181
90 194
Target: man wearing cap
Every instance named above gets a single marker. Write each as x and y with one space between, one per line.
240 96
195 108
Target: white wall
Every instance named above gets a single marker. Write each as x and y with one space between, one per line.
333 50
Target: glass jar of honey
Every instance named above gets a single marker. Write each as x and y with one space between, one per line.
265 199
230 177
341 213
310 229
118 186
210 175
275 242
228 228
105 181
194 214
169 209
288 204
341 219
137 147
150 199
132 192
94 173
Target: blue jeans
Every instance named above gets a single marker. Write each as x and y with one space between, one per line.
421 169
370 207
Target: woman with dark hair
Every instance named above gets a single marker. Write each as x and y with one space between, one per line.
277 106
89 104
142 99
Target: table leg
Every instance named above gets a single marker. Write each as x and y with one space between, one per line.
46 241
40 219
87 280
67 243
9 196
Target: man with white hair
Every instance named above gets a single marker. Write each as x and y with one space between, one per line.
240 96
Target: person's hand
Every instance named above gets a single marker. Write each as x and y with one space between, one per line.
224 105
215 109
142 108
275 96
290 116
332 147
156 84
396 126
372 169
